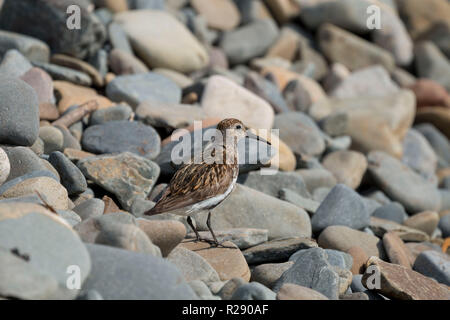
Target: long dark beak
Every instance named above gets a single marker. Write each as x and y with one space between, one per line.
251 135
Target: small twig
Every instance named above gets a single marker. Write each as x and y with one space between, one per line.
45 203
76 115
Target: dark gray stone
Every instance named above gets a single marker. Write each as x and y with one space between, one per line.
66 74
115 113
122 136
342 206
312 270
47 20
71 177
120 274
435 265
19 112
138 88
444 226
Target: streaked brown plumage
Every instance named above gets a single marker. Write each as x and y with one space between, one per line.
202 185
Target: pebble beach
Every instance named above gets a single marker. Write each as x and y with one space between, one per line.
93 94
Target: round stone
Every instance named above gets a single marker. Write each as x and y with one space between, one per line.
166 234
5 166
347 166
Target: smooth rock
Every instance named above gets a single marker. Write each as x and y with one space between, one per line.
5 166
114 113
342 206
65 74
435 265
317 178
80 65
122 136
137 88
71 177
347 166
148 277
14 64
268 273
53 139
393 211
122 63
42 84
19 112
219 14
253 291
380 226
90 208
243 238
396 250
432 63
290 291
162 41
165 234
305 203
426 221
359 257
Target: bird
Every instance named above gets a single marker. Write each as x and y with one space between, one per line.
207 180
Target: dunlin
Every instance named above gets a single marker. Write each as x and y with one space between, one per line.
203 183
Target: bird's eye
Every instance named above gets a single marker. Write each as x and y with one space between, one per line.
238 126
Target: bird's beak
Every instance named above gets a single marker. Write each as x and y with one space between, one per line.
251 135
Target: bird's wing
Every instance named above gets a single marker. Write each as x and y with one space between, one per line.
193 183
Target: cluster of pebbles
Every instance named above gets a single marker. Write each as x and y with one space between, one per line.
359 208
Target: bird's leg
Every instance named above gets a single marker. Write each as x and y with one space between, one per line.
214 242
189 221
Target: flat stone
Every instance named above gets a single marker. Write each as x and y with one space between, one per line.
435 265
126 175
71 177
402 184
300 133
425 221
243 238
253 291
165 234
313 271
347 166
342 206
114 113
277 250
192 265
336 44
272 184
19 112
122 136
162 41
269 273
147 277
381 226
360 258
219 14
248 208
222 99
343 238
80 65
249 41
398 282
228 263
137 88
65 74
290 291
47 243
305 203
396 250
22 161
44 21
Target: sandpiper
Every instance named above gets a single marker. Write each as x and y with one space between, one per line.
202 184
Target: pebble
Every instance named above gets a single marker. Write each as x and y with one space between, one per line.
114 172
5 166
228 262
343 238
277 250
435 265
300 133
347 166
317 178
165 234
402 184
432 63
80 65
290 291
380 226
419 155
14 64
53 139
162 41
359 257
230 286
118 38
426 221
122 63
42 84
148 277
222 99
307 204
268 273
312 270
430 93
444 225
249 41
58 247
342 206
136 88
393 211
90 208
219 14
32 48
243 238
248 208
19 112
438 142
65 74
71 177
396 250
253 291
122 136
272 184
405 284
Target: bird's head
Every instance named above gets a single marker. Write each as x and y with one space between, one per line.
234 128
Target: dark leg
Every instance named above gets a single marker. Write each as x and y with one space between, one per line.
189 221
214 242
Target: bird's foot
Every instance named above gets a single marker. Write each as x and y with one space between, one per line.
213 243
